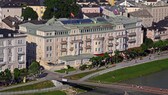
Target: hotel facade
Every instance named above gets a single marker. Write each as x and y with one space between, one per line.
12 50
72 42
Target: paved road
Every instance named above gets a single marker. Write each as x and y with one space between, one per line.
128 64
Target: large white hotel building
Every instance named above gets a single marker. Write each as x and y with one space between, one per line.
73 42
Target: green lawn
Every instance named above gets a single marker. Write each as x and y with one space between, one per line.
49 93
41 85
132 72
64 70
81 75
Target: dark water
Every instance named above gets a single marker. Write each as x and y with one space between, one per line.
159 79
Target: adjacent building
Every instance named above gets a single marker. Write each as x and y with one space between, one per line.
9 9
12 50
64 42
144 15
39 9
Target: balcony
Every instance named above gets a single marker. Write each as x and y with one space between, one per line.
157 36
117 43
111 38
77 41
71 49
88 40
21 53
63 50
131 41
88 47
99 38
110 45
21 62
2 64
80 48
121 36
63 42
132 34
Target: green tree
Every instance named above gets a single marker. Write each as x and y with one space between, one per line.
34 68
60 8
148 43
83 67
106 57
17 74
2 77
94 61
8 75
29 13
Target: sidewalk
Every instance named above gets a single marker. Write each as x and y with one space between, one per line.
24 84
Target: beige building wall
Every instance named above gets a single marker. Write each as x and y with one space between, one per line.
158 12
132 9
13 52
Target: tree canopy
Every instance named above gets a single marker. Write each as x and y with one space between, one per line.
29 13
60 8
34 68
16 74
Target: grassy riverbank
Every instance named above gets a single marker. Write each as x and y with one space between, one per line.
41 85
132 72
49 93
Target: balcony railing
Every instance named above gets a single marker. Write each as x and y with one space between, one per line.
88 40
132 34
21 62
121 36
88 47
80 48
131 41
110 45
63 42
22 53
111 38
77 41
63 50
117 43
99 38
71 49
157 36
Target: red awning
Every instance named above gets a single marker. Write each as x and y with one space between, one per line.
99 54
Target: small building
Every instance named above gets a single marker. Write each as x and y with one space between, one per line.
9 9
113 11
12 50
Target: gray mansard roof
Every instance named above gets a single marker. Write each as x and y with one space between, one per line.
141 13
58 25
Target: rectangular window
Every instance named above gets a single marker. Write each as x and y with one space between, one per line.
20 58
10 59
50 48
19 49
1 43
1 51
9 42
20 42
9 50
1 59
